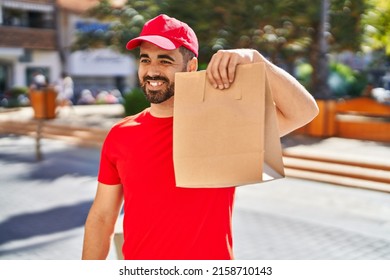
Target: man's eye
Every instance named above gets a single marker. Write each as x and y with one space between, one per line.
165 62
144 60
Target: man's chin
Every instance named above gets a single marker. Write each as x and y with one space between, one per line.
157 97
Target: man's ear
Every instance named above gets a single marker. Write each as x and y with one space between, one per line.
192 65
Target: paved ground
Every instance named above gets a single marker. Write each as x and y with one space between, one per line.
44 205
296 219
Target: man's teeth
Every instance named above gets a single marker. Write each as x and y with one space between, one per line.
155 84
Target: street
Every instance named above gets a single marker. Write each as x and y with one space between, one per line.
44 205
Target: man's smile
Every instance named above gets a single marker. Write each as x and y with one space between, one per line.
156 83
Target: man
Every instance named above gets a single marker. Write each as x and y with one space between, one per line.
65 90
161 220
39 81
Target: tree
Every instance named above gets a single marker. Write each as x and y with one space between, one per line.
376 22
283 30
112 27
320 77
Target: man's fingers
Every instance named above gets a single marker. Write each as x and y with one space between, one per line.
216 70
222 68
233 62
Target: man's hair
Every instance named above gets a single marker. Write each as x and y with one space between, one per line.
187 54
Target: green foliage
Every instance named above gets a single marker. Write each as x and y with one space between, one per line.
134 102
16 91
303 74
281 28
264 25
346 29
376 21
124 23
15 97
343 80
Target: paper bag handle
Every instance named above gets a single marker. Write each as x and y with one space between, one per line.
233 90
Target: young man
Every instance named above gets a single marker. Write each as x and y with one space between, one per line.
162 221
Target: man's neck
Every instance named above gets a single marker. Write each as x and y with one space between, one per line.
162 110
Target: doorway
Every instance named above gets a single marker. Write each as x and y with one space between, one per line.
4 78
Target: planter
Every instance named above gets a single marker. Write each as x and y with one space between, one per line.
357 118
43 102
323 125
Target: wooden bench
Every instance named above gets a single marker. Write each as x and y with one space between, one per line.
358 118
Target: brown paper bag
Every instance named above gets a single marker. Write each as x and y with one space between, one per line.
228 137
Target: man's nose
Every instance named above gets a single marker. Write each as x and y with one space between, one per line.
153 70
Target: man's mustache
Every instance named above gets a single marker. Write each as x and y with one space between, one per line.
155 78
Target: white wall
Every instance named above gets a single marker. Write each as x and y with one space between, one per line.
47 59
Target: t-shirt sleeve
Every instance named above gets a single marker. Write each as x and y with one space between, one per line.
108 172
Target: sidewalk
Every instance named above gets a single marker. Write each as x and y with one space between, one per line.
104 116
97 116
44 204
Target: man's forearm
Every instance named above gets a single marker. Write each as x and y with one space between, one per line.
295 105
97 239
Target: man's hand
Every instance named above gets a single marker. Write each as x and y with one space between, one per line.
222 67
295 106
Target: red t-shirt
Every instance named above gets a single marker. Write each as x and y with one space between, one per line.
161 220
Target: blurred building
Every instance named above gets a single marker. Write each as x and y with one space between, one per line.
37 35
27 41
95 69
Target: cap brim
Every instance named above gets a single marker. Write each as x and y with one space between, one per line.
159 41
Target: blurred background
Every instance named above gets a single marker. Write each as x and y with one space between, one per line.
338 49
66 78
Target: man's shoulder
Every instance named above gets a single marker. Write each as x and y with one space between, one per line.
131 121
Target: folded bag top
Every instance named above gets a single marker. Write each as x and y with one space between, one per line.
225 138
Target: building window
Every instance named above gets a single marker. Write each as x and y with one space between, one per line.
13 17
26 18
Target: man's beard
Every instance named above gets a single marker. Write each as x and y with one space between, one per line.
157 96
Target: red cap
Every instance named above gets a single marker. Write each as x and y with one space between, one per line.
167 33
